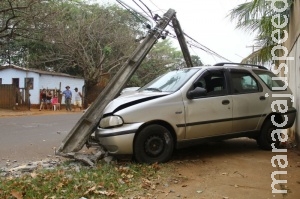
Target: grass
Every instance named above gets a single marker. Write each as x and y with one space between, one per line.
117 180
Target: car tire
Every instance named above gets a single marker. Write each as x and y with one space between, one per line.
265 139
153 144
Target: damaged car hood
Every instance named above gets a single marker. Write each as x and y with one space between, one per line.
137 97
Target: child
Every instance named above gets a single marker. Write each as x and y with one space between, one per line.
55 103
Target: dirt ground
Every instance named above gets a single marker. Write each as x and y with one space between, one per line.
33 111
232 169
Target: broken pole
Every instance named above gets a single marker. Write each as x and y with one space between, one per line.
87 124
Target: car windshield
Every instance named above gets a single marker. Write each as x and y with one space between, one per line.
171 81
271 80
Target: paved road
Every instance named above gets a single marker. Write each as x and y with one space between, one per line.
33 138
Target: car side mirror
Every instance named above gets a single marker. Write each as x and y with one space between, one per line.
196 93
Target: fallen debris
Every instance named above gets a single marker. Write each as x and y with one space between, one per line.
89 159
51 162
19 170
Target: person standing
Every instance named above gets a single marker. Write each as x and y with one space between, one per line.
68 97
43 97
78 99
48 100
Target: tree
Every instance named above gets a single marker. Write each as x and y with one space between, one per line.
22 22
256 17
13 16
196 60
89 41
161 58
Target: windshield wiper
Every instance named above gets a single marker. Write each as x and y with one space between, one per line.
153 89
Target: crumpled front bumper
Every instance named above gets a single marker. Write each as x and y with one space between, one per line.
118 140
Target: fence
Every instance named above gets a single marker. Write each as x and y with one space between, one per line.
12 97
53 92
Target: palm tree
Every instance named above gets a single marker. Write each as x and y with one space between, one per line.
256 16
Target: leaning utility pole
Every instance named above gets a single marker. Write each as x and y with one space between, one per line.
86 125
182 42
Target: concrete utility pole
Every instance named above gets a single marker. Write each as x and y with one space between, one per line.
80 133
182 42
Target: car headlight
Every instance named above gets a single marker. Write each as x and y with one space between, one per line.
111 121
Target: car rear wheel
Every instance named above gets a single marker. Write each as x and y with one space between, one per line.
265 138
153 144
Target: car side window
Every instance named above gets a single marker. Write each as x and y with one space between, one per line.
214 83
243 82
270 79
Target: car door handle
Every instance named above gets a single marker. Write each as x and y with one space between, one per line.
262 97
225 102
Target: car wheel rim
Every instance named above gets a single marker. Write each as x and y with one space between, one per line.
154 146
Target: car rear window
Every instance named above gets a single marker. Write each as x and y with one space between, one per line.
272 81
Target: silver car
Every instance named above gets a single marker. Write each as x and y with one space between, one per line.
193 105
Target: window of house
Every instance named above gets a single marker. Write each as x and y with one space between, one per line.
15 81
0 80
28 83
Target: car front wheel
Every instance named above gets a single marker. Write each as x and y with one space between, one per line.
265 138
153 144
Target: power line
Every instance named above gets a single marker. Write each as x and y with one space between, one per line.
156 6
203 47
143 9
147 8
134 12
154 18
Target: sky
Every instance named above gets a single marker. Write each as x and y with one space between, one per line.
207 22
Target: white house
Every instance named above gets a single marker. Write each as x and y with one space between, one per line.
38 80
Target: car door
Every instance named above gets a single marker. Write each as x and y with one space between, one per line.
249 101
209 115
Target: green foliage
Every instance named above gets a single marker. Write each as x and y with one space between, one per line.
196 60
256 17
103 181
162 58
82 39
107 50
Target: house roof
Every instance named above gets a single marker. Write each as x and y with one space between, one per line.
36 71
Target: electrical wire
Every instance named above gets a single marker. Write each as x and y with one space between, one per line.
150 16
201 47
147 8
134 12
192 41
156 6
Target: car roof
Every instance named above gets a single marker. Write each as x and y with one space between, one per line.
233 65
241 64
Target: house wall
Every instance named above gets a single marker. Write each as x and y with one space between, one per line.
10 73
59 83
294 26
41 81
294 84
293 46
